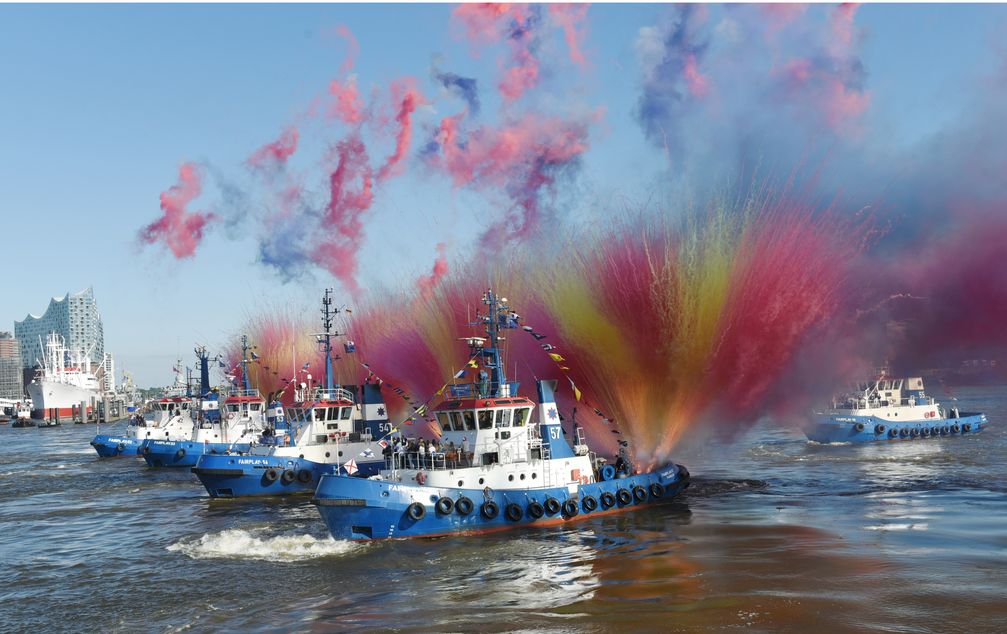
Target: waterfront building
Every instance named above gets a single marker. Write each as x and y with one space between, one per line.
11 380
75 317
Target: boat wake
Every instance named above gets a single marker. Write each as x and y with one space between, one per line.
246 544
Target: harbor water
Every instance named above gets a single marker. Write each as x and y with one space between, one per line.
776 534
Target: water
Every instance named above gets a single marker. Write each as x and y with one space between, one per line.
776 534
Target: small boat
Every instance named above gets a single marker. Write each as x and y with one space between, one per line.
219 428
504 468
167 418
890 409
327 430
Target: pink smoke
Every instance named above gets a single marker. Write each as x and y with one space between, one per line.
352 48
521 156
427 283
350 196
347 105
180 230
404 93
570 17
492 23
698 84
277 152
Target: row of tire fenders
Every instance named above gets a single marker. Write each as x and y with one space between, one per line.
551 506
915 432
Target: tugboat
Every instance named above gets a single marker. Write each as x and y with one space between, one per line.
890 409
168 418
217 429
330 432
498 468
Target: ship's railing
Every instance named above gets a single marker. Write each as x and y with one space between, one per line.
336 394
436 461
483 389
252 392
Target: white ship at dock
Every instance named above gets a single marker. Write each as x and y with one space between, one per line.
66 382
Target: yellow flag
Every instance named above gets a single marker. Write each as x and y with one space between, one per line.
555 357
473 363
576 392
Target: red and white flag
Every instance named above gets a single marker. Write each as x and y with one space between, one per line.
351 467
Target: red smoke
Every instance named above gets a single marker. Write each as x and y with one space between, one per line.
404 94
277 152
517 23
347 105
571 18
179 229
522 157
426 283
352 48
350 196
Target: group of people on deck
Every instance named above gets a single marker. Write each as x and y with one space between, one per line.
420 453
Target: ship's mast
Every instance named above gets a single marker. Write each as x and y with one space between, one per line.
498 316
325 337
244 364
204 371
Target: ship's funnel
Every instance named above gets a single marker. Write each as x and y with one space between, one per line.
548 421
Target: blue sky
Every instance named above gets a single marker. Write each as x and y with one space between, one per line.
100 105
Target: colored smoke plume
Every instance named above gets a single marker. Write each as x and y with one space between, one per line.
350 196
179 229
426 283
466 88
347 106
404 94
523 158
275 154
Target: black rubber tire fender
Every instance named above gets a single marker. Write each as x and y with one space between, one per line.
180 453
552 506
490 509
416 511
639 493
535 509
444 506
624 496
607 500
570 508
464 505
656 490
288 476
589 503
304 476
270 475
513 512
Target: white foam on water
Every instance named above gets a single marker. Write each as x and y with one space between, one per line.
241 544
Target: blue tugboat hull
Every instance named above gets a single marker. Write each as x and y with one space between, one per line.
365 509
844 428
115 446
183 453
233 475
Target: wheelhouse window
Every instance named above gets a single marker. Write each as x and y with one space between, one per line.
256 407
470 420
442 418
485 419
521 416
503 417
346 413
232 407
456 421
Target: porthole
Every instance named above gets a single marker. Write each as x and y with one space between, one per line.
301 456
461 483
480 480
327 454
522 476
340 454
534 475
510 478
